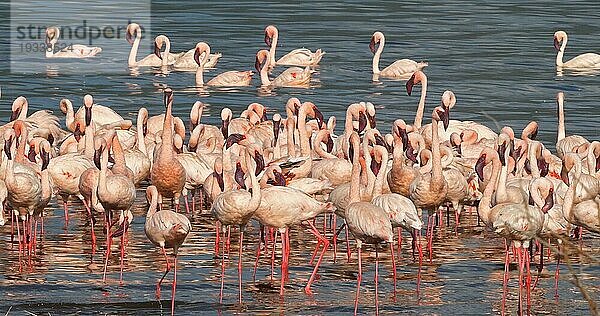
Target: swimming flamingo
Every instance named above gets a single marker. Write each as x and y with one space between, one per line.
298 57
71 51
587 60
401 68
226 79
167 174
236 207
165 229
291 77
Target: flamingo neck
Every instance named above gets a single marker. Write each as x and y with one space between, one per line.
398 153
561 52
264 75
166 53
561 121
153 206
20 157
256 194
141 144
24 110
319 150
436 163
134 49
166 149
486 199
304 143
501 193
45 182
119 155
355 178
533 162
88 140
290 137
421 107
568 202
200 72
367 169
273 48
103 168
377 55
379 180
70 116
50 50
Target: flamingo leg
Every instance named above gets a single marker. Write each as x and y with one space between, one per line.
521 266
12 228
92 233
187 204
557 272
125 223
376 281
217 228
528 282
228 244
283 261
505 279
108 244
334 239
325 242
393 266
257 255
399 229
348 243
168 268
240 263
174 285
222 273
66 209
420 261
358 279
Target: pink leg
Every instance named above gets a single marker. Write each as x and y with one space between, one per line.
228 240
420 261
283 261
240 263
256 260
334 239
217 228
376 281
557 272
505 279
66 212
193 202
108 244
312 258
222 274
174 285
358 279
528 283
348 244
122 252
456 219
164 251
273 253
521 261
393 267
187 204
325 242
399 243
12 228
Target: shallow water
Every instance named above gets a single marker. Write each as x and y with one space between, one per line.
497 58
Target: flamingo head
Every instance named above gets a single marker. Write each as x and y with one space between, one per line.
329 142
278 178
77 133
270 32
201 48
448 99
375 39
442 114
501 153
168 96
31 154
261 59
234 138
98 148
371 114
559 37
158 43
45 154
549 201
52 35
259 159
239 175
530 131
17 107
9 135
362 121
479 165
131 33
64 105
416 78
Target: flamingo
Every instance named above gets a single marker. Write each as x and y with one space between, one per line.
236 207
587 60
115 192
367 222
39 120
71 51
298 57
332 168
167 173
226 79
578 211
399 69
165 229
196 169
401 175
291 77
137 158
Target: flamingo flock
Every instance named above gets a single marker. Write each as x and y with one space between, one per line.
285 172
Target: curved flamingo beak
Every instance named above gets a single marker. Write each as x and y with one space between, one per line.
597 164
129 37
225 128
564 175
257 64
88 116
219 178
268 39
234 139
351 153
556 44
329 143
479 166
31 154
14 114
276 128
168 97
45 158
157 51
279 178
533 134
544 167
372 120
77 132
7 145
239 175
549 202
445 116
501 150
197 56
410 84
319 117
260 162
372 45
362 122
97 154
50 139
410 153
375 166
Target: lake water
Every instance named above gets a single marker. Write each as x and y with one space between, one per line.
497 58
